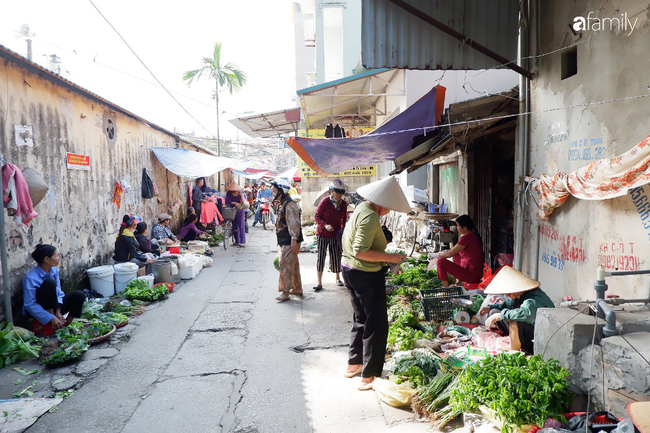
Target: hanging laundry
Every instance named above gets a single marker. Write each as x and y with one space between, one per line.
329 131
16 196
338 131
354 133
117 194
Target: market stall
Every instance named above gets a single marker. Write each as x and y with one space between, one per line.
444 362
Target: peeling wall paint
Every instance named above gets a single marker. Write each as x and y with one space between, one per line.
77 214
582 234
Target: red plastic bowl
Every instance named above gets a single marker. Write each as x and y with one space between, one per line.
171 286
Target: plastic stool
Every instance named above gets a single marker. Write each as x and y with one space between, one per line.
46 330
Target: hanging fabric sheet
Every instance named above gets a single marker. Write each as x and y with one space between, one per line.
117 194
600 180
16 196
394 138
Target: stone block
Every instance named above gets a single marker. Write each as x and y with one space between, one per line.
632 322
86 368
561 334
628 370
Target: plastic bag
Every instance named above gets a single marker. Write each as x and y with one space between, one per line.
148 190
490 300
207 262
393 394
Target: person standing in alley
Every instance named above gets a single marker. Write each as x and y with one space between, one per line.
289 233
197 196
364 269
331 216
235 198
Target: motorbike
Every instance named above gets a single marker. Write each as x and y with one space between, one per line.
265 211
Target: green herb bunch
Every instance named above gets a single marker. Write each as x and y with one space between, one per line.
518 389
140 290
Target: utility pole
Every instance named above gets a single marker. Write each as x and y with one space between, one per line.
29 49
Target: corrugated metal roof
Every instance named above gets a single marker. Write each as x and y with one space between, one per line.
269 124
356 100
394 38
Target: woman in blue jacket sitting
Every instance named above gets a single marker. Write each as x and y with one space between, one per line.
43 298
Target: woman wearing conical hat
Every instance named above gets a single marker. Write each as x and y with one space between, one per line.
363 267
516 316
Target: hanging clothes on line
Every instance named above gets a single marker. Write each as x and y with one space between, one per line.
15 195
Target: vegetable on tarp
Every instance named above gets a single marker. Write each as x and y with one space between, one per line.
518 389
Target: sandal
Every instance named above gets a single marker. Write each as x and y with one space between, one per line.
318 288
350 374
299 294
366 386
339 283
282 298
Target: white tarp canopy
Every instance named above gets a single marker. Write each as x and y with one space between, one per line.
250 175
188 163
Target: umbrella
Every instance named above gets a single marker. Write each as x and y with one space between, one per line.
292 173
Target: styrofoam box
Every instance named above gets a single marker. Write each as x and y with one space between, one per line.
192 271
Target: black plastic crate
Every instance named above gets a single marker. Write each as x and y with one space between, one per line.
436 303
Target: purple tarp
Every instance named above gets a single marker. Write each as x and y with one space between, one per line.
331 155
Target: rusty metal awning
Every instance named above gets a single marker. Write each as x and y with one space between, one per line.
356 100
468 121
275 123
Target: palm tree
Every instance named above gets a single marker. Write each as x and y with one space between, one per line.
228 75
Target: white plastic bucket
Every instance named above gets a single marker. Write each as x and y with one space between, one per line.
149 279
124 274
101 280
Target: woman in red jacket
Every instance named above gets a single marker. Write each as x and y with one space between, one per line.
331 216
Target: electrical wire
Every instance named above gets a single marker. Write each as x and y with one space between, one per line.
627 341
147 68
562 326
73 52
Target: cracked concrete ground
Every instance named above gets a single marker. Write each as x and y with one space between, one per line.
221 355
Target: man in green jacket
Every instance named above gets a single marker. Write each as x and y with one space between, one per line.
519 311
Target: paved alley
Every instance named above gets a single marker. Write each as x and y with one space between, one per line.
221 355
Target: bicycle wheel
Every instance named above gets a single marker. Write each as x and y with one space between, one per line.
411 236
227 230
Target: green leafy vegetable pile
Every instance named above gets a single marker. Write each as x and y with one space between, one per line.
140 290
418 367
67 351
17 344
519 390
417 275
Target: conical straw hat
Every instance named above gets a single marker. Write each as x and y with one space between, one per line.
386 193
640 415
234 187
510 280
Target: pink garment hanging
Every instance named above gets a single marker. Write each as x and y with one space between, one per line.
17 196
208 212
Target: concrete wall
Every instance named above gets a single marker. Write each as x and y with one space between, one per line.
460 85
609 370
582 234
77 215
351 47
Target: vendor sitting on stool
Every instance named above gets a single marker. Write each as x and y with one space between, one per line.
467 253
517 314
127 248
43 298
